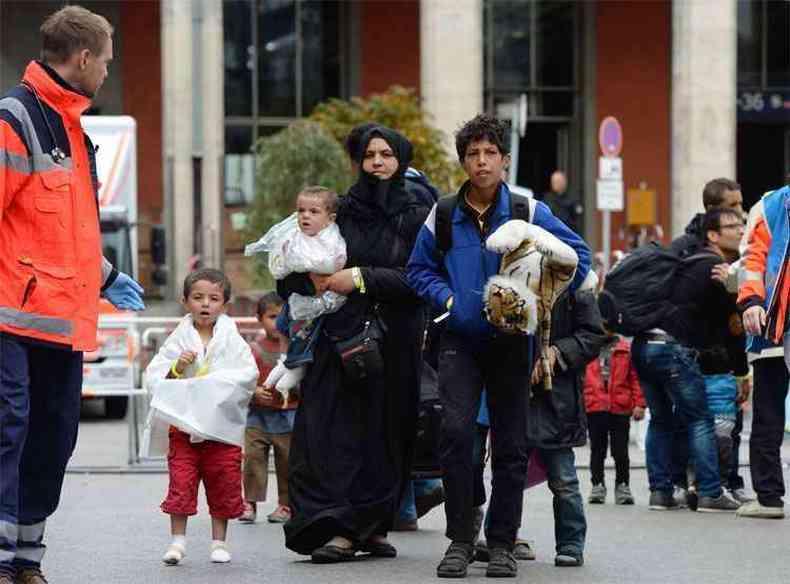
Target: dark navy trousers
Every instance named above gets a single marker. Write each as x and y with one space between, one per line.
40 392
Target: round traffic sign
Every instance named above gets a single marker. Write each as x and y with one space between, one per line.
610 136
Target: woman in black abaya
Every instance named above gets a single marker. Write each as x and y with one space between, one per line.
352 441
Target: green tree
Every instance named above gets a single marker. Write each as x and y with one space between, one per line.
398 108
302 154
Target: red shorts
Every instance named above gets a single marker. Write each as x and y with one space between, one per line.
218 465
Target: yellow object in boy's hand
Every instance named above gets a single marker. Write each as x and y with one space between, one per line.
185 360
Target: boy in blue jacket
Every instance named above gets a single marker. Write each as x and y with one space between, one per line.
473 354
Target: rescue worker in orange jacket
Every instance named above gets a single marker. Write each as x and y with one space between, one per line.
764 298
51 276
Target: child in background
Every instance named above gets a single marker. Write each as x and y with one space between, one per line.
269 422
308 241
201 381
612 396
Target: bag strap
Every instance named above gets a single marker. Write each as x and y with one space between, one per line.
521 207
444 223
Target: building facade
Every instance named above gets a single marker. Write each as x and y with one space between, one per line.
701 89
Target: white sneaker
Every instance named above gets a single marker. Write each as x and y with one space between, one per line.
758 511
174 554
220 553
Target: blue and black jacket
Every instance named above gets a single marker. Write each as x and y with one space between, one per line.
467 266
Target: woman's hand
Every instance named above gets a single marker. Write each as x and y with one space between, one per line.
341 282
319 283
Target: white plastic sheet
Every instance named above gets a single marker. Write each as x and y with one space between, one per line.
211 407
291 251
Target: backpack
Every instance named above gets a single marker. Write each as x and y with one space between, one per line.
636 291
520 208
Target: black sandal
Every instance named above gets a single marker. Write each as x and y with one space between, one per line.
332 554
379 549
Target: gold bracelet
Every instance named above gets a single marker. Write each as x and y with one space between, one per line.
174 371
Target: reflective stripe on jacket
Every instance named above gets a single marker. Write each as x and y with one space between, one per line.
51 265
764 279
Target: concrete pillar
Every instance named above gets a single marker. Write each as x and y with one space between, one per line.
177 137
451 63
212 117
704 69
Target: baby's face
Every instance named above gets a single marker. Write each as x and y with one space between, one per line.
312 214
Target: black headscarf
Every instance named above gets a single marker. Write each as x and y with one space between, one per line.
389 195
383 205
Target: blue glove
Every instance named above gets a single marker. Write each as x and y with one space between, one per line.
125 293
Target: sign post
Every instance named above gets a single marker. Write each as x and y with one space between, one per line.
609 188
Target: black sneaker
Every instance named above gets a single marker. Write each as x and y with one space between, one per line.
456 560
661 501
720 504
501 563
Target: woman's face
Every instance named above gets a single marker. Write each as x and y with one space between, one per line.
379 159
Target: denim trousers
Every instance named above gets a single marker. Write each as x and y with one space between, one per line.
570 525
672 382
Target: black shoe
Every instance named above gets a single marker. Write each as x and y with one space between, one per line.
661 501
692 500
481 552
332 554
429 500
456 560
501 564
379 549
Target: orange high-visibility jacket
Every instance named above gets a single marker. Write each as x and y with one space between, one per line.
765 280
51 264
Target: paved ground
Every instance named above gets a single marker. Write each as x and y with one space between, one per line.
109 529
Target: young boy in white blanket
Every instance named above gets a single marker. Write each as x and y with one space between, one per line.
309 241
201 381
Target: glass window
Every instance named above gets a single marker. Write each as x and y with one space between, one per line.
239 165
320 52
239 53
277 58
750 36
556 35
777 54
510 32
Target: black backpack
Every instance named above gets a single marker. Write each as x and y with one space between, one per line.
637 290
519 209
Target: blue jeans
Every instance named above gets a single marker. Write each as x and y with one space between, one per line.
670 376
570 525
415 488
302 336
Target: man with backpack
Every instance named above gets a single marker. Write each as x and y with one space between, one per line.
691 338
718 193
450 267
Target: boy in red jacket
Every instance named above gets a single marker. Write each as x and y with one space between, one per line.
611 397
